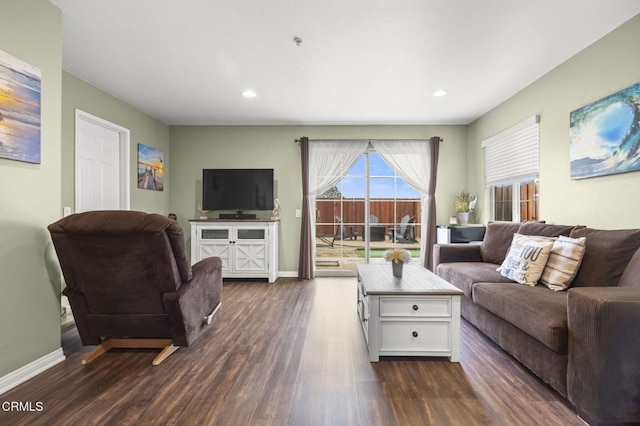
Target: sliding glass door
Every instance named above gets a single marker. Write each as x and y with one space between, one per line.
369 211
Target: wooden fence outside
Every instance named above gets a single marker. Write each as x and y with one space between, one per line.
388 212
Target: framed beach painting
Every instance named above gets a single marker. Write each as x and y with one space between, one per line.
150 168
605 135
20 85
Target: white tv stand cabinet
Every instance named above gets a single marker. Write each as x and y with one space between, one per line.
248 248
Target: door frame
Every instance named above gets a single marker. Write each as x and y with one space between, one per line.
125 155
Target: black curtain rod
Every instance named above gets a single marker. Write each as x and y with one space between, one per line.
441 140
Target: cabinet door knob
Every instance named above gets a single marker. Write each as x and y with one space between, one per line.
415 307
415 334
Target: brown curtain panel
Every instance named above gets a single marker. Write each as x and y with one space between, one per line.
434 150
305 265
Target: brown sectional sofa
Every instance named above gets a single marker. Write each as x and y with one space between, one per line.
584 342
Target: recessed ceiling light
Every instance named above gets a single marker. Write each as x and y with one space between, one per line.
249 94
439 93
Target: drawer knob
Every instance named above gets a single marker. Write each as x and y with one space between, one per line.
415 307
415 334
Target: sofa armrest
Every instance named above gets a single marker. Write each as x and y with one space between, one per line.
194 300
447 253
603 372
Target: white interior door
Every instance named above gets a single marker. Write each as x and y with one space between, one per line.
102 164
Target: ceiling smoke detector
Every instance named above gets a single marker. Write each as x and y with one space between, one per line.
297 41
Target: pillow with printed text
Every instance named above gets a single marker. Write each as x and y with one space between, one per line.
526 259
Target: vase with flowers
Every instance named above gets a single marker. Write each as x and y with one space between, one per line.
397 257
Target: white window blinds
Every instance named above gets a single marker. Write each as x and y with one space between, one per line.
513 154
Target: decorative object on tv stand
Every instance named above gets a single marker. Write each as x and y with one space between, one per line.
464 204
397 257
203 213
276 209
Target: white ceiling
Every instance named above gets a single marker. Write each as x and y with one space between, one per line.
360 61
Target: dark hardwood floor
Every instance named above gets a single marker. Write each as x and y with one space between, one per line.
289 353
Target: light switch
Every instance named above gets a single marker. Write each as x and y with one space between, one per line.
298 213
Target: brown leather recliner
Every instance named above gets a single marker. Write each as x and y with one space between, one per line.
130 283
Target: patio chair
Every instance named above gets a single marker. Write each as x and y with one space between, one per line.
408 235
342 233
331 240
405 233
376 232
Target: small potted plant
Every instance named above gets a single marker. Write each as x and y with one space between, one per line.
463 205
397 257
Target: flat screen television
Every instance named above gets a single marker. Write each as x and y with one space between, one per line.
237 189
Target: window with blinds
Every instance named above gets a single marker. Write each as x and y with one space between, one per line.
512 164
513 154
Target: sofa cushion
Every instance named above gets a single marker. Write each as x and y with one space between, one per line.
540 313
526 259
631 275
497 240
606 256
563 263
544 229
464 274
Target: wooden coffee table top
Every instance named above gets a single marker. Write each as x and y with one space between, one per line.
415 280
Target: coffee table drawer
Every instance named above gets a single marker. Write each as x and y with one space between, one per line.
415 336
415 307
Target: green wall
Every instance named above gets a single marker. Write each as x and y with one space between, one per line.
30 197
33 194
608 202
78 94
196 147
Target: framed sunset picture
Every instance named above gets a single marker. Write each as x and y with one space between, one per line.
150 168
20 85
605 135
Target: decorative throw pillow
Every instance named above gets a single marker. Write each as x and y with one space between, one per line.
563 263
526 259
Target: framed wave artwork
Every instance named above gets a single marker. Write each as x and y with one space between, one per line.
20 87
605 135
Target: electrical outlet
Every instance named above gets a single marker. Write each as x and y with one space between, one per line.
66 211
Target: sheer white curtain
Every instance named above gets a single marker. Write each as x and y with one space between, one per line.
410 159
329 161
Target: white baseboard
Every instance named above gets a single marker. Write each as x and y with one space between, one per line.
30 370
288 274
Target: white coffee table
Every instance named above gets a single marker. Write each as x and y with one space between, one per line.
416 315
